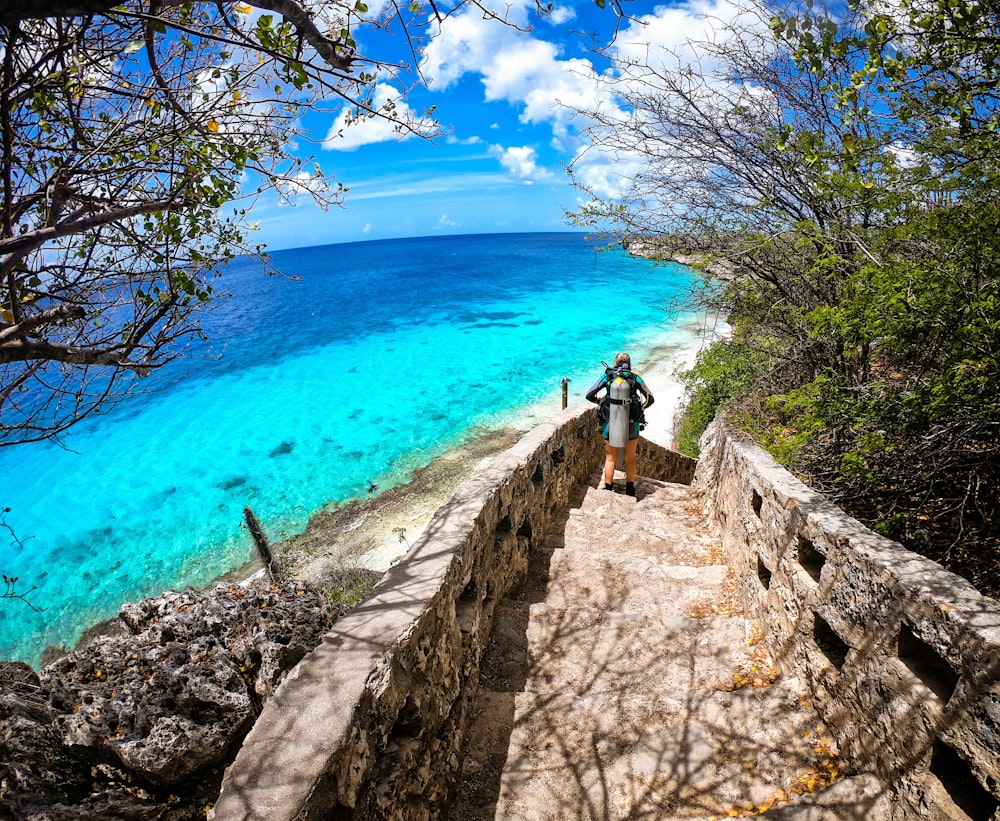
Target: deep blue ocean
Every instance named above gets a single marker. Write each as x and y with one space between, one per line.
374 360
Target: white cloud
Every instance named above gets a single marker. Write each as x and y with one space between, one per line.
303 183
670 39
345 135
905 156
530 73
561 15
521 162
444 222
466 43
667 41
606 175
367 229
453 140
514 66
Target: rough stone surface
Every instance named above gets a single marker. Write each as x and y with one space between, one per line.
901 657
628 683
137 724
370 725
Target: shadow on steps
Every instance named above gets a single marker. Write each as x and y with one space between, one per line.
623 681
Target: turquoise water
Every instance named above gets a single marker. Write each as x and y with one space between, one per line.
385 355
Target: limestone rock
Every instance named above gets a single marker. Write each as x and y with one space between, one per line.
127 723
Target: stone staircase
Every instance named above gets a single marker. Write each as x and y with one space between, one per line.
624 681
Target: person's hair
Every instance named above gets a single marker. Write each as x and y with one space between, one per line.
623 359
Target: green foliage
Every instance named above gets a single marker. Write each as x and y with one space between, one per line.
350 586
723 371
859 216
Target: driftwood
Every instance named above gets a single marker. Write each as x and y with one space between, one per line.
260 540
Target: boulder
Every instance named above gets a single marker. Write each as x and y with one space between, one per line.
138 716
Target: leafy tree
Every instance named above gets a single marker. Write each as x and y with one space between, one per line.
135 139
915 454
846 170
745 156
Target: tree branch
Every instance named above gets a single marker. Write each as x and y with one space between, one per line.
61 313
114 356
33 240
14 11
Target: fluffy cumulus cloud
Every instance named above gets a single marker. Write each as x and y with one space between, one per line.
514 66
669 38
560 15
532 75
521 162
665 41
345 135
604 175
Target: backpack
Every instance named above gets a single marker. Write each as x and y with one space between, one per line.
636 412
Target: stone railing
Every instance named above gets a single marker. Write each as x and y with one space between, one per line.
902 658
370 724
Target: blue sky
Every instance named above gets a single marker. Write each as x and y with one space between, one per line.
506 95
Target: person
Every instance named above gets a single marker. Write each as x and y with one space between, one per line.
623 362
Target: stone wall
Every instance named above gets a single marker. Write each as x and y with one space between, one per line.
370 724
902 658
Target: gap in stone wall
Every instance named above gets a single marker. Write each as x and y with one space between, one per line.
503 528
925 663
538 477
829 643
408 723
763 573
467 607
810 559
961 785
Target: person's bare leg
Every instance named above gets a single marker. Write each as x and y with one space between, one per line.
610 456
630 460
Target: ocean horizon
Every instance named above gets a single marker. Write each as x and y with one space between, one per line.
363 363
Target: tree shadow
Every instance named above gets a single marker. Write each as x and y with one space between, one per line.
623 706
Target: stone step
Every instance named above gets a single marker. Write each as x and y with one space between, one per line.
672 513
624 681
619 580
673 755
671 543
584 650
664 492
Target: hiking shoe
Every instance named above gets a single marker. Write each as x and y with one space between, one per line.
630 488
608 486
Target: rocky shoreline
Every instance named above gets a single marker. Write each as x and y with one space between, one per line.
140 724
716 265
140 720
